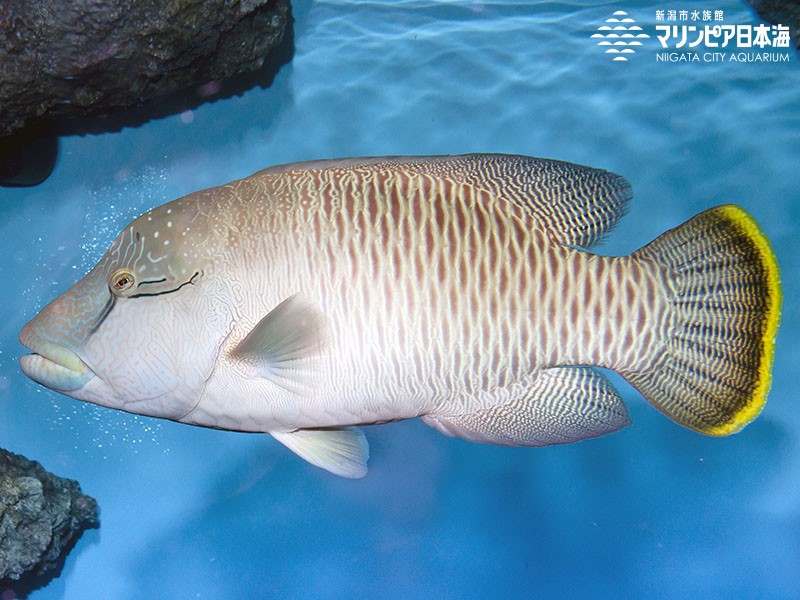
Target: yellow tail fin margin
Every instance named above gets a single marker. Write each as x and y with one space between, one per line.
724 287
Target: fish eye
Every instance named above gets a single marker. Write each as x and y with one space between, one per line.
121 281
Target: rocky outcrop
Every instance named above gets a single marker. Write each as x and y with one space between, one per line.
41 517
78 58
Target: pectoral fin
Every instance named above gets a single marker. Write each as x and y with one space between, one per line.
283 346
554 406
342 451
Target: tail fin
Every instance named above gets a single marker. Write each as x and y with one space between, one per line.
725 290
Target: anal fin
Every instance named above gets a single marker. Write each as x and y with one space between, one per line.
342 451
554 406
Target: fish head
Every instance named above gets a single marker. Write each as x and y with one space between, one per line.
138 332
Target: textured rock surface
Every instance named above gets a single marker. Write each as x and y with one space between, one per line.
780 12
41 516
79 58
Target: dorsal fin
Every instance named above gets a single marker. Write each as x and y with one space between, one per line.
577 205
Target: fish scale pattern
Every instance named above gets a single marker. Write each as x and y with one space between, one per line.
438 288
578 205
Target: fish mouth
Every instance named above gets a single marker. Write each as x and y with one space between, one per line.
56 367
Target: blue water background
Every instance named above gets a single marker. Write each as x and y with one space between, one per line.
653 511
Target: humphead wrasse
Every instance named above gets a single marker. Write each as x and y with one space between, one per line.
308 299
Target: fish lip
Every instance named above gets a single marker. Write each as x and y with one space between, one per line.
55 366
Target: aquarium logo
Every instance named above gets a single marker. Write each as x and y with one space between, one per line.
620 36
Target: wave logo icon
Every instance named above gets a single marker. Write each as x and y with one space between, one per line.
620 35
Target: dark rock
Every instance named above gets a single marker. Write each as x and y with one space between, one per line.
41 518
79 58
780 12
27 156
